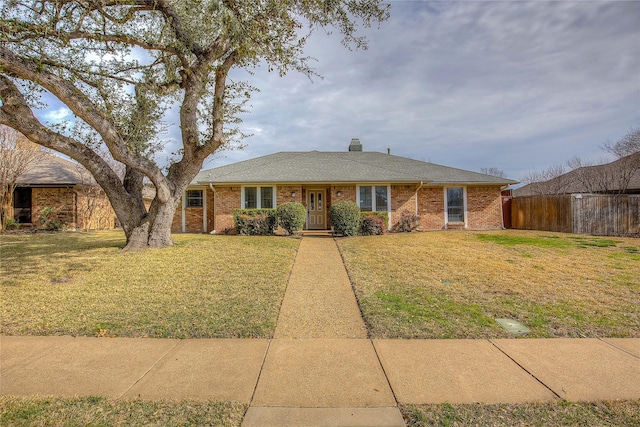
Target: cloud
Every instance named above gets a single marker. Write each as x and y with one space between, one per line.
468 84
57 115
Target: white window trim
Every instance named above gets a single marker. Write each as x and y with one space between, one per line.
373 198
259 195
464 200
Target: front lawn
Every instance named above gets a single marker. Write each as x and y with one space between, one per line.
455 284
559 413
203 287
99 411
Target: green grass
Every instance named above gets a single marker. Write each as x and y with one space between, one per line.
203 287
454 285
98 411
616 413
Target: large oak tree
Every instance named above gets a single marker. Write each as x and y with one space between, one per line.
119 64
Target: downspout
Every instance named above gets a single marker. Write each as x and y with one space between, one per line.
214 208
418 189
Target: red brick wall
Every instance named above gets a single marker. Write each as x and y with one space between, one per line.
347 193
484 209
283 194
403 198
431 208
227 200
210 204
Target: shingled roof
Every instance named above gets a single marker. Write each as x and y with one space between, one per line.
53 170
341 167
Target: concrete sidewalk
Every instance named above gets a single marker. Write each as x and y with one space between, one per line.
337 381
320 369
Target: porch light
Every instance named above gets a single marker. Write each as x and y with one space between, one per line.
293 194
339 193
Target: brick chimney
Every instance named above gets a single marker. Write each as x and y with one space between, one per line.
355 145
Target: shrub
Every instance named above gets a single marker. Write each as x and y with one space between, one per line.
407 223
291 216
372 225
49 220
345 218
254 222
384 216
11 224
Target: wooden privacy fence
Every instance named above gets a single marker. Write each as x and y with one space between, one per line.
596 214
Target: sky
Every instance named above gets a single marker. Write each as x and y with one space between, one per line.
517 85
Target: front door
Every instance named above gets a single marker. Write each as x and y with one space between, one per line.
316 210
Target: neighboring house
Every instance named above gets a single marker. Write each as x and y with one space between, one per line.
621 176
68 190
442 197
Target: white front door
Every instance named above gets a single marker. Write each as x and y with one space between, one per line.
316 207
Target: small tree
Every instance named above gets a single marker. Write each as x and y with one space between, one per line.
17 157
493 171
627 151
544 182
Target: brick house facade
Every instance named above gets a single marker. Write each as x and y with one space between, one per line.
483 206
441 197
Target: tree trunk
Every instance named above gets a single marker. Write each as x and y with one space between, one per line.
152 230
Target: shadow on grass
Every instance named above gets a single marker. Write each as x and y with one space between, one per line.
79 251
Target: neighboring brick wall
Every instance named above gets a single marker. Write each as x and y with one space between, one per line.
484 208
403 198
94 209
431 208
61 199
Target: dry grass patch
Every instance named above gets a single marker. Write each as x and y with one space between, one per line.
454 284
618 413
203 287
98 411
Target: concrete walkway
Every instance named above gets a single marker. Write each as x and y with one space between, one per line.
309 376
319 301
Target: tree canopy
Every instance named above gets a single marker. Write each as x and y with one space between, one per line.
118 65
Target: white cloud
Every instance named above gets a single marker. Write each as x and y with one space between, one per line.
57 115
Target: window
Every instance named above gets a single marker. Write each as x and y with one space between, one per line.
455 204
250 198
194 198
365 199
376 202
258 197
266 199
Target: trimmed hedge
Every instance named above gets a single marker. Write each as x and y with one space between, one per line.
345 218
291 216
255 222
